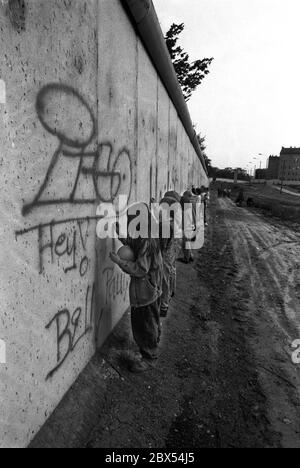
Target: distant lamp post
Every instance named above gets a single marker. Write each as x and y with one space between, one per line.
257 160
254 169
260 161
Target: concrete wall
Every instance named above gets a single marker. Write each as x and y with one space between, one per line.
84 118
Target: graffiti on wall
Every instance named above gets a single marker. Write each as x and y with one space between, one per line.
17 14
72 327
175 177
106 173
70 244
2 352
56 241
67 246
116 285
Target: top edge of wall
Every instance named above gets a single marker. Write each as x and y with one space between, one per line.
139 9
144 17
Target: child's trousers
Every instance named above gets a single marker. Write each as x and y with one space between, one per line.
168 288
146 329
187 251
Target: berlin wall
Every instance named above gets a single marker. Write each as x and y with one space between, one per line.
84 118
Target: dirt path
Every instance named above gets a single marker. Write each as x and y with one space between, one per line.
267 254
225 376
290 192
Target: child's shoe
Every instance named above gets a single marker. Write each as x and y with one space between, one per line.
164 312
143 365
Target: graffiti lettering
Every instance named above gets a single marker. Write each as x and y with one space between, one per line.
63 244
17 14
110 173
2 352
81 171
116 284
72 328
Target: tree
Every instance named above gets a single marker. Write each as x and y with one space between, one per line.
190 75
228 173
202 145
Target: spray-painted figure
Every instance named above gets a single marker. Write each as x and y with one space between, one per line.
67 116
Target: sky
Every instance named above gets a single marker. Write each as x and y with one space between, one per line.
248 106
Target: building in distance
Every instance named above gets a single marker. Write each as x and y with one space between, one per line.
289 165
273 168
261 174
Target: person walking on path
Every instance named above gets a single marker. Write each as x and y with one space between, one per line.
241 198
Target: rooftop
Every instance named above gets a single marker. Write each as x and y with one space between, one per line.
290 151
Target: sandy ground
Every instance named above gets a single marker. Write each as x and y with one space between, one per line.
267 255
225 376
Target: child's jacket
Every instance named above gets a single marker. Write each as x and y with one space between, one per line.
146 275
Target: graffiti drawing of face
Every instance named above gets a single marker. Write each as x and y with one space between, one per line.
103 173
66 115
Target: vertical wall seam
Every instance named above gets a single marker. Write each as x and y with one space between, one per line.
137 117
169 150
157 133
97 66
176 152
97 305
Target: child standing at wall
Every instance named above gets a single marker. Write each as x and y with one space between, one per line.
205 200
170 248
189 212
146 273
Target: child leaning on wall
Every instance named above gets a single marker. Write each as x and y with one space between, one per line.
189 221
145 291
170 248
205 200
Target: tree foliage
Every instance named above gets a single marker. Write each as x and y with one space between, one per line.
215 172
229 173
202 144
190 74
